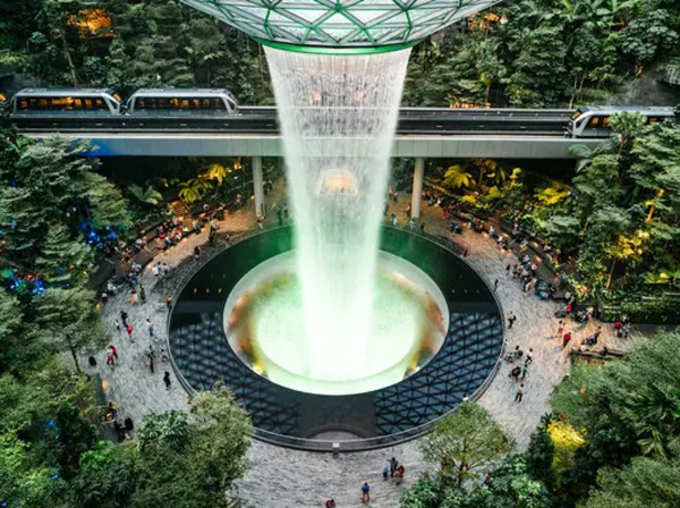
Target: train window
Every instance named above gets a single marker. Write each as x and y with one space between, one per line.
184 104
174 103
218 104
605 122
195 103
88 103
205 103
576 115
78 103
594 122
651 119
22 104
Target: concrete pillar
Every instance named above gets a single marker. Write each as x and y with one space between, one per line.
258 188
417 194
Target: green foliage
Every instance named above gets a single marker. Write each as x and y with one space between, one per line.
539 455
149 196
47 422
179 459
628 412
645 482
70 321
456 177
507 486
194 189
464 441
63 260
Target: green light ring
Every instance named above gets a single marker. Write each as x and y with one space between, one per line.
336 50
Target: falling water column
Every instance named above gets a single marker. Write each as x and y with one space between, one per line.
338 116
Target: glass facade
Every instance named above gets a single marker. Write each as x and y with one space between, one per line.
353 25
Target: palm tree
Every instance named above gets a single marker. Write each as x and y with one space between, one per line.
455 177
149 195
194 189
215 172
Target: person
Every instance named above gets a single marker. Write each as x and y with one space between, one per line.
511 320
197 253
519 394
111 411
560 328
114 351
133 296
408 210
105 297
120 431
566 338
166 380
166 269
260 222
393 219
529 358
149 360
400 474
365 493
422 228
330 503
524 372
149 326
110 359
142 293
515 372
385 472
168 302
123 317
393 466
128 329
116 323
626 329
465 252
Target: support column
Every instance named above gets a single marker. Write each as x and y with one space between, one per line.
417 194
258 188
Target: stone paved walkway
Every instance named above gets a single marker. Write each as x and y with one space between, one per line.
280 477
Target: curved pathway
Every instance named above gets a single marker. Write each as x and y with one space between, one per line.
279 477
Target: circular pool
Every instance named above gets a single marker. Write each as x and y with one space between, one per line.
439 337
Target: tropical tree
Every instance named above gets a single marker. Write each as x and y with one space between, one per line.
625 409
456 177
464 441
71 320
194 189
149 196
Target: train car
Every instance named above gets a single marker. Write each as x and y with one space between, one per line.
593 121
65 101
182 101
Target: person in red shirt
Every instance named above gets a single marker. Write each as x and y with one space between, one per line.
566 338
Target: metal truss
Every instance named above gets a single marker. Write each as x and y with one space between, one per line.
364 24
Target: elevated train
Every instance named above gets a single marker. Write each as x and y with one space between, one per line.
216 109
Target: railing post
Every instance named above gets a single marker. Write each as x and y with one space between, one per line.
258 188
417 194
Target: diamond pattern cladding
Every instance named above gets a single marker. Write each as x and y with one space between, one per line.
337 23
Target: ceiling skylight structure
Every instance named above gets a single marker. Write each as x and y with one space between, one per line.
347 26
